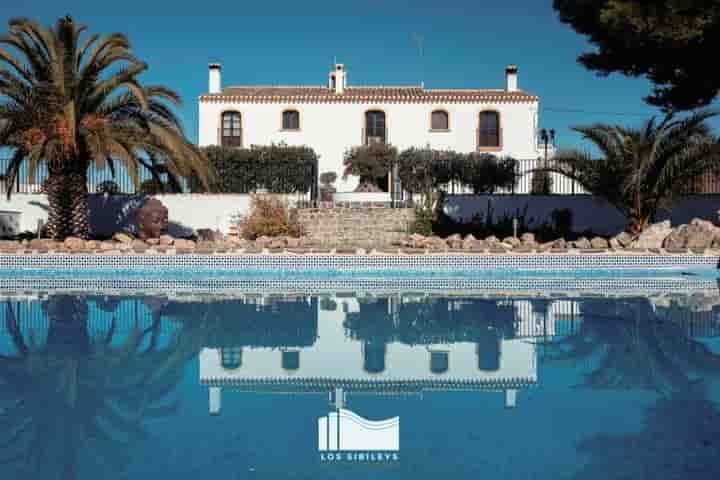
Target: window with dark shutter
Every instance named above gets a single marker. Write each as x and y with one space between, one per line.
375 126
291 120
231 129
489 131
439 120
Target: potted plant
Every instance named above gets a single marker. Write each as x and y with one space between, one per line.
327 189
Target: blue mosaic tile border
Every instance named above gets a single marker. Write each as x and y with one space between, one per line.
354 263
447 285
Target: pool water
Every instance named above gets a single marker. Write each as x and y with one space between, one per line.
359 385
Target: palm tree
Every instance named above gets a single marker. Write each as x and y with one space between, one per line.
641 169
68 100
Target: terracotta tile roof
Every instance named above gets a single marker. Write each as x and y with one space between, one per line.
320 94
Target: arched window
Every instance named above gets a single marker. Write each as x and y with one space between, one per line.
489 130
439 362
291 120
439 120
231 358
231 129
290 360
375 126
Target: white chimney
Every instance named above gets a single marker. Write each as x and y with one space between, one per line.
214 78
511 78
338 79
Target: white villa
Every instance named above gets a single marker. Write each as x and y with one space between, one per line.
334 117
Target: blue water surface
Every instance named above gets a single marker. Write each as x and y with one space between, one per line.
519 385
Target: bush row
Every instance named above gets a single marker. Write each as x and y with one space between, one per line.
422 169
274 168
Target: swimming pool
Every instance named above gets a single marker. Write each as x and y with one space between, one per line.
488 376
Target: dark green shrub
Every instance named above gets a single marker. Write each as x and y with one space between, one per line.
371 163
485 173
276 168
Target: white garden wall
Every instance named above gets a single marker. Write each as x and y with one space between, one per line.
110 214
589 213
194 211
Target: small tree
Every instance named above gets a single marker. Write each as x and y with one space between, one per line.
269 216
485 173
327 179
371 163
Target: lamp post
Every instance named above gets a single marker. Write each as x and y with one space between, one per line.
547 136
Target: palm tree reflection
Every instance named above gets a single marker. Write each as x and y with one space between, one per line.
82 389
633 344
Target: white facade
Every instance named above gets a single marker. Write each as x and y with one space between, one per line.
332 117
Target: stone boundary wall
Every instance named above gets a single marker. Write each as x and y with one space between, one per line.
356 226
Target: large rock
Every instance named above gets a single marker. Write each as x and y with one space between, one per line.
528 238
512 241
581 242
74 243
599 242
698 234
653 236
621 240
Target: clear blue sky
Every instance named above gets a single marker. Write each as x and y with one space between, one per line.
467 43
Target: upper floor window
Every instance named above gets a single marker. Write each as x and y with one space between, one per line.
291 120
439 120
375 126
489 130
231 129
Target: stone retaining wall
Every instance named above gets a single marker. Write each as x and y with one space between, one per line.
356 226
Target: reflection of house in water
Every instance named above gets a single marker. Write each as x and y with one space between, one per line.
395 345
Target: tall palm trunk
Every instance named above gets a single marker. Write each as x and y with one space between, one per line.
59 223
79 209
68 211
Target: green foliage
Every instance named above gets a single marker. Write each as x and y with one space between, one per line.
424 170
276 168
108 187
642 169
370 162
327 179
663 40
152 186
485 173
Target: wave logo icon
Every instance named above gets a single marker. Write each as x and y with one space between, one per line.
346 431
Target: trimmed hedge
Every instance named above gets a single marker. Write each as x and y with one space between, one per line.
422 170
275 168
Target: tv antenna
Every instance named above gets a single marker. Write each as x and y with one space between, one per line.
419 41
